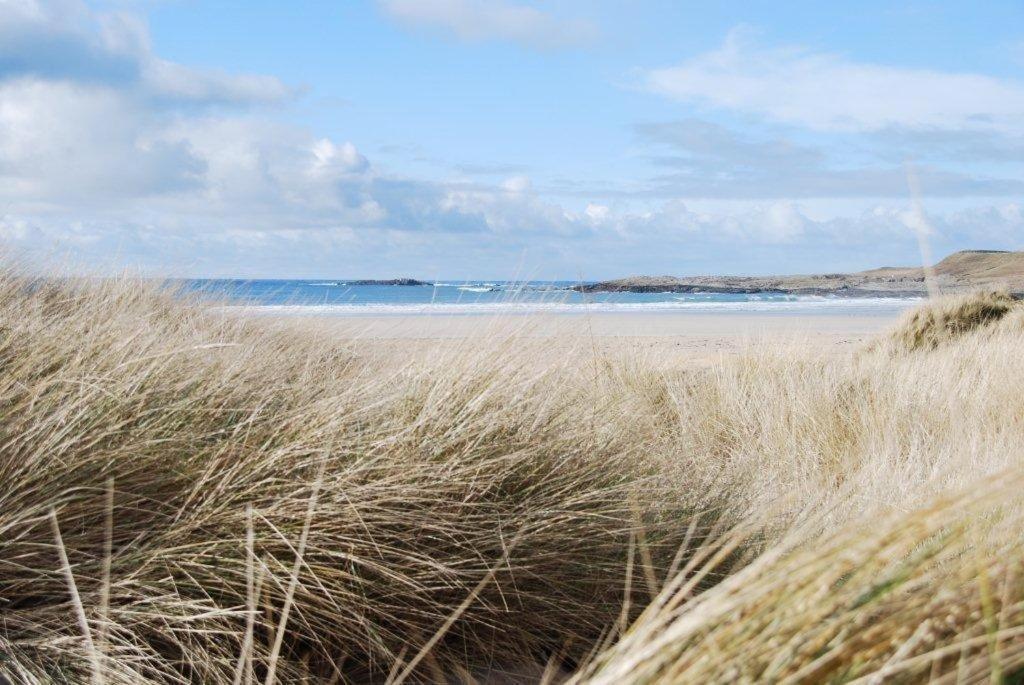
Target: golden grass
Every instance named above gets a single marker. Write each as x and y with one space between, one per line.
934 594
946 321
191 497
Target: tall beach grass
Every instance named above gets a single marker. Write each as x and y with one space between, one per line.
195 497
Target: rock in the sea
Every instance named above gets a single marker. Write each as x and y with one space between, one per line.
389 281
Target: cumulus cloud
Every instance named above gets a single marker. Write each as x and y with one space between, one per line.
830 92
89 126
110 151
66 40
885 228
64 142
331 159
485 20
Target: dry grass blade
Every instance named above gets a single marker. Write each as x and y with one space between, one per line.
243 667
425 650
893 601
293 580
76 601
105 578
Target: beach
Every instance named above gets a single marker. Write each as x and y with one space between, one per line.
664 336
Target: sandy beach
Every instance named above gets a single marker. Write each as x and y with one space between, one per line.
685 336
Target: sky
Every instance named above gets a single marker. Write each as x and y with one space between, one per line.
507 139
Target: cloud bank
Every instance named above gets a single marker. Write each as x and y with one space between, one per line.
111 154
830 92
65 40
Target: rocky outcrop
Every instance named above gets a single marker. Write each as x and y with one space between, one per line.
960 272
390 281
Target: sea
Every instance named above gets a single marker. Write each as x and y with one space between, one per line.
340 298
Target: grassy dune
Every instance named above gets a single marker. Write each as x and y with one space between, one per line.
190 497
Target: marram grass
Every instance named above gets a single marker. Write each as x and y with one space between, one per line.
190 497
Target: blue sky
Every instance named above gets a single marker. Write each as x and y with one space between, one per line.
505 138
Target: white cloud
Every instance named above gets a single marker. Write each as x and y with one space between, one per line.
701 159
517 184
597 213
234 194
67 143
66 40
177 82
111 151
884 228
827 91
331 158
784 222
484 20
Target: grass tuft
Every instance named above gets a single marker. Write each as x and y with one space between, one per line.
195 497
945 321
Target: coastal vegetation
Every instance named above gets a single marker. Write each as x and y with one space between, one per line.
191 496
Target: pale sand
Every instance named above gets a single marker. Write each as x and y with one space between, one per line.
695 337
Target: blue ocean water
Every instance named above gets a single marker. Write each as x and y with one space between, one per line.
468 297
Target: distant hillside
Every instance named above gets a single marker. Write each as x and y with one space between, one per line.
983 265
959 272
